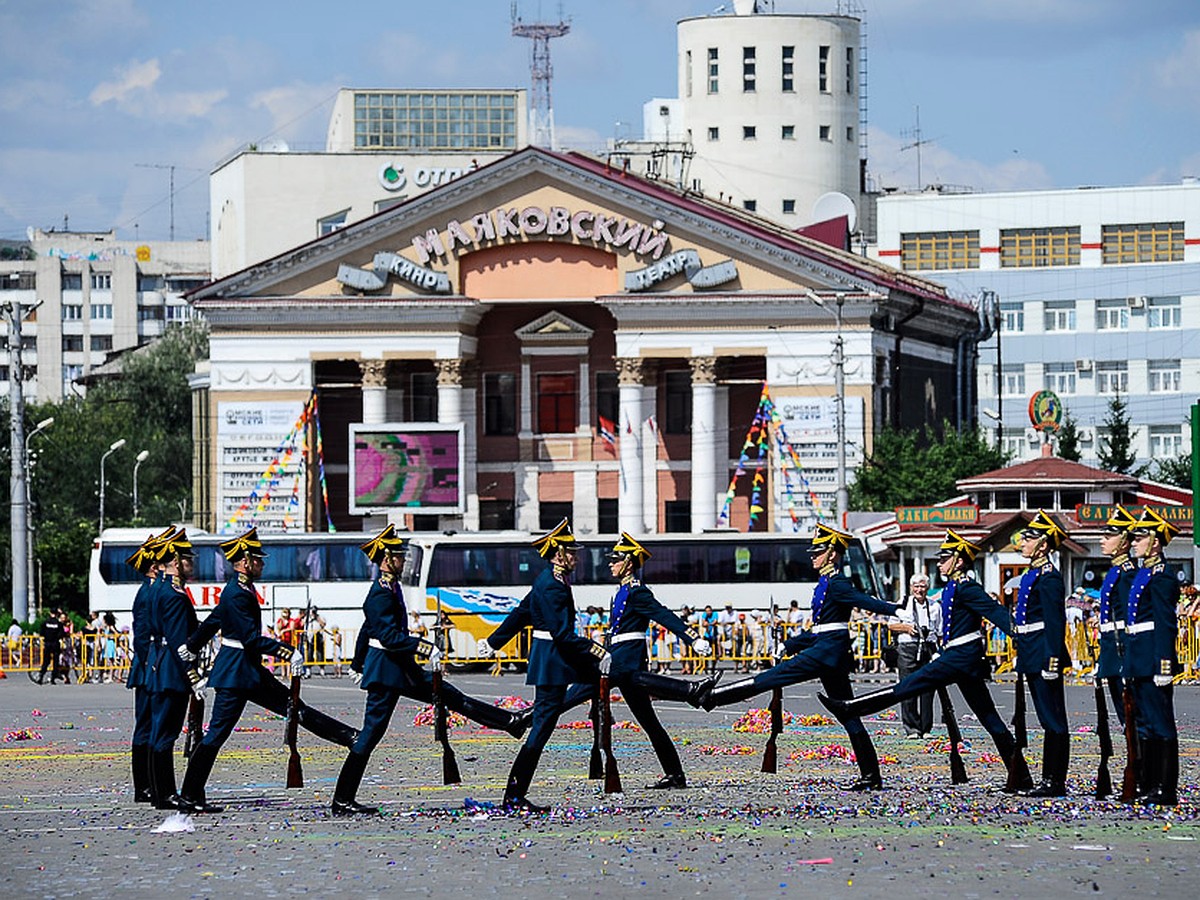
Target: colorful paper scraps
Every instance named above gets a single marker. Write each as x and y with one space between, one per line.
815 720
758 721
710 750
513 702
22 734
453 720
829 751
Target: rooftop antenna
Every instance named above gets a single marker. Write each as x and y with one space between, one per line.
171 189
917 143
541 111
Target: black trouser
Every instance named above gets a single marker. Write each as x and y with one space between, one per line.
381 703
50 655
547 706
915 712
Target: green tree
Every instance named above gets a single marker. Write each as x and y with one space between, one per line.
1176 470
1068 440
918 468
1115 445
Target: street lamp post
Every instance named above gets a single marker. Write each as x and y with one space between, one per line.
839 387
30 574
18 498
113 448
141 458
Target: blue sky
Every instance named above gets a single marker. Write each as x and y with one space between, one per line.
1013 94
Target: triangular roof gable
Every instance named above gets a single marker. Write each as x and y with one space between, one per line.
1047 469
802 261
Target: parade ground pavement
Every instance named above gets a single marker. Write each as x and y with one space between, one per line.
71 829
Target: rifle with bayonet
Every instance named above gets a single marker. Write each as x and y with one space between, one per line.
1103 778
295 775
441 725
770 763
1129 780
612 779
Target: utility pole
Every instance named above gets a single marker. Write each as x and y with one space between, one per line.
541 110
839 386
917 143
18 488
171 189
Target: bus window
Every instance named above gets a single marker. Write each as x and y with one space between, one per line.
113 568
681 563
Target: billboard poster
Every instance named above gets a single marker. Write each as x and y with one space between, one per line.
406 466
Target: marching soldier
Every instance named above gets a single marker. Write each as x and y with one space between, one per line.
559 657
144 562
238 674
1114 594
962 660
172 621
823 653
392 669
1040 621
1150 662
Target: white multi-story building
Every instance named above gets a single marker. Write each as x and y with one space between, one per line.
1098 293
86 295
382 148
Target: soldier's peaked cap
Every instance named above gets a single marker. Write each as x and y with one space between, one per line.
825 537
1152 521
384 542
1043 526
628 546
558 537
144 556
174 545
245 544
1120 520
956 543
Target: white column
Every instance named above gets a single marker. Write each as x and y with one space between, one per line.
374 412
584 425
450 412
525 419
630 514
704 442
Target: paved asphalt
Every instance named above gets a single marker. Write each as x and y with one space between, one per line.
70 829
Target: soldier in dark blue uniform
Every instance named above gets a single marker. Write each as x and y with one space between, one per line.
962 660
1150 663
1040 621
238 674
559 657
824 652
172 620
392 668
1114 594
143 560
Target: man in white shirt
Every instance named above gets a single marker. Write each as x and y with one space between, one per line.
918 627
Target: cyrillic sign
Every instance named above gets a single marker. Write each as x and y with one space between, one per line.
936 515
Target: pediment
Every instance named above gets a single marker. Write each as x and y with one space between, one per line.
553 328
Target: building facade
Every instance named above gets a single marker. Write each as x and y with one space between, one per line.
88 295
383 146
593 345
1098 292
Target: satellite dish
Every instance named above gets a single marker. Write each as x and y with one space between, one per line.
834 204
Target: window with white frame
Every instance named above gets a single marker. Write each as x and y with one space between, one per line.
102 281
1112 377
1012 317
101 311
1112 315
1166 441
1163 376
1013 381
71 312
713 70
1163 312
1015 443
1059 377
332 223
1060 315
70 373
788 81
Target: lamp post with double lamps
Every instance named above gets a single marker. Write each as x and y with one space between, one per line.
30 573
839 387
113 448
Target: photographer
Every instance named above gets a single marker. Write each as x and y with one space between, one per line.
916 625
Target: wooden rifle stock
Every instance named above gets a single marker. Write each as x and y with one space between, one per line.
612 779
595 763
195 725
1103 779
958 771
441 733
770 763
295 775
1129 781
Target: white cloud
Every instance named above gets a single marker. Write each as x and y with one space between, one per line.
893 166
137 76
1181 70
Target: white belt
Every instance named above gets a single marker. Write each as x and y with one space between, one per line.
965 639
626 637
1140 627
831 626
542 635
1031 628
230 642
1113 626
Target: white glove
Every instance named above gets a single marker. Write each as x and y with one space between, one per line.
605 664
701 647
484 650
296 663
199 687
434 663
355 677
185 654
1163 680
1049 676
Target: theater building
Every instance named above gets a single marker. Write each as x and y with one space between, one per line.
547 336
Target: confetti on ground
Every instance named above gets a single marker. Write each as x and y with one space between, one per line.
888 715
815 720
22 734
710 750
513 702
827 861
829 751
577 725
939 745
989 758
176 823
758 721
36 712
453 720
249 729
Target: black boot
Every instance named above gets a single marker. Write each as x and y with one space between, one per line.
869 778
677 782
730 693
348 781
1055 755
162 780
493 717
1167 792
859 706
139 755
684 690
191 796
326 727
519 778
1019 778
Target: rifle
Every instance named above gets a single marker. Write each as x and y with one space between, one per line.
441 728
958 771
612 779
770 763
295 775
195 725
1129 781
1103 779
595 764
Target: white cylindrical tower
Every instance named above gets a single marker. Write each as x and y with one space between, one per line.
771 103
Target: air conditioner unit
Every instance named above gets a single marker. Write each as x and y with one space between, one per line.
1083 365
1135 302
1032 437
